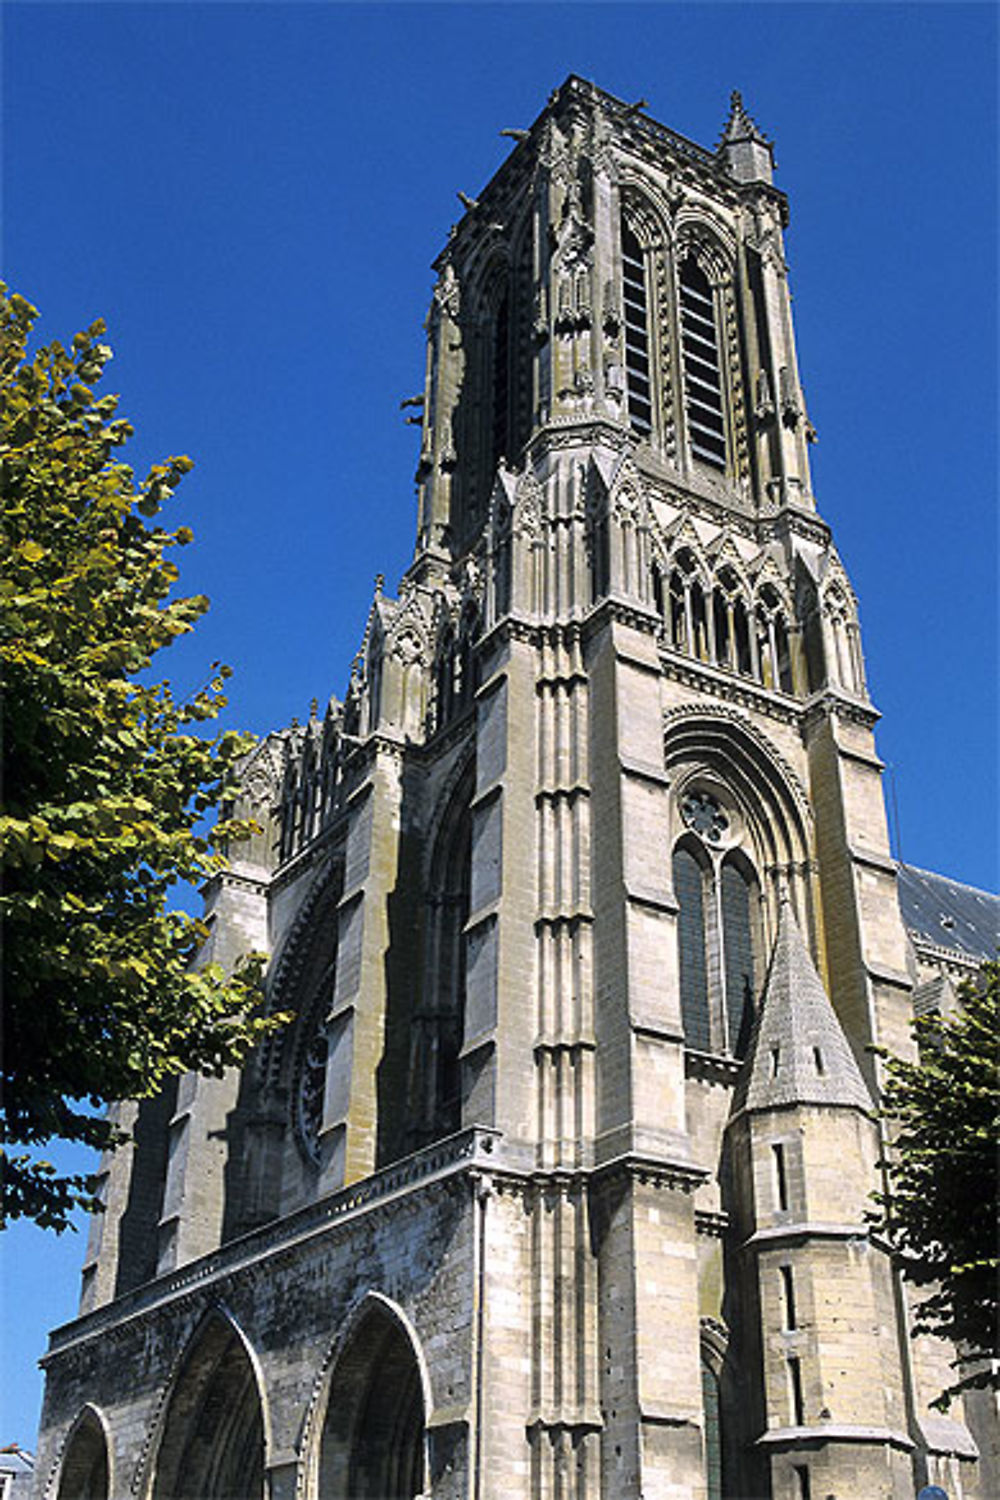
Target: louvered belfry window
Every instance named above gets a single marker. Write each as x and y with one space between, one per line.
636 312
702 367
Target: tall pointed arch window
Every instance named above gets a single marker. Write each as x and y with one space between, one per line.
736 888
690 880
718 900
434 1104
500 373
638 384
702 366
712 1410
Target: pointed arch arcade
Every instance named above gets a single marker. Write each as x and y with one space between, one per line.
372 1444
85 1468
212 1437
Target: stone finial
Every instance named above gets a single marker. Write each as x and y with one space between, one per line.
745 148
798 1053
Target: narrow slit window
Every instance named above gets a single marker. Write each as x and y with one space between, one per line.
780 1176
703 399
802 1480
818 1060
795 1387
636 304
788 1296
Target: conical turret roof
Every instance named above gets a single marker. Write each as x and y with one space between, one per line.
798 1053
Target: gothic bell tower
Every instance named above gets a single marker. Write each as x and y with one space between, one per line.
596 832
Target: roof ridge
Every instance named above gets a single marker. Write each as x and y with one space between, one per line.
978 890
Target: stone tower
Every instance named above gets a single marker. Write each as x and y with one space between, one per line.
535 1198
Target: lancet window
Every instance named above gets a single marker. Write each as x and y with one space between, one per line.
497 409
500 381
772 641
717 896
435 1103
311 785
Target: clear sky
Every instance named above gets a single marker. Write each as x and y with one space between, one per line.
251 196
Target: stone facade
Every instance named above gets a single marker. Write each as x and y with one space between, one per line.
583 901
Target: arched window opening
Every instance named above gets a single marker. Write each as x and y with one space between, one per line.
374 674
522 363
703 400
723 634
372 1445
689 891
435 1102
212 1446
500 382
83 1473
678 626
741 639
699 622
783 654
502 572
737 890
444 675
466 665
765 654
712 1410
718 925
636 309
600 555
659 592
773 650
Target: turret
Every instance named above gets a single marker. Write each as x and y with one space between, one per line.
817 1295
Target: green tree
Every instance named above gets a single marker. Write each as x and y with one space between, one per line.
939 1209
108 781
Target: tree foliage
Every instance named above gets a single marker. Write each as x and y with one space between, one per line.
939 1210
108 781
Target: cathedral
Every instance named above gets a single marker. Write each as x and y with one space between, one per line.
556 1187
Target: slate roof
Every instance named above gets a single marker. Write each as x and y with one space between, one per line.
798 1053
947 914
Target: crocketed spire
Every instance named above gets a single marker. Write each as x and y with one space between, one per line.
798 1053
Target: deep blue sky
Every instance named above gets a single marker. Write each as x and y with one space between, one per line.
251 196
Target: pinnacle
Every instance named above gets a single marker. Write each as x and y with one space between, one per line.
799 1053
740 126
